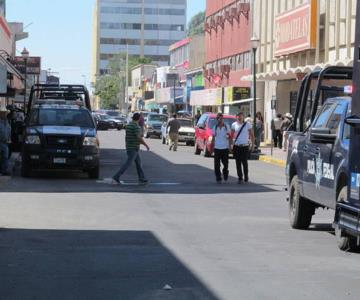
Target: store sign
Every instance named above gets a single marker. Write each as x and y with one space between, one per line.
3 79
208 97
235 94
295 30
33 65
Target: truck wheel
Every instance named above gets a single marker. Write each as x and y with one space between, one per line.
197 150
94 173
25 169
345 242
301 210
206 151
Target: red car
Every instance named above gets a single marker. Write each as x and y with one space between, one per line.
203 132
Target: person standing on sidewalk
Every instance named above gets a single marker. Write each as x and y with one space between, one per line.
173 127
276 131
221 142
285 125
242 132
133 140
5 136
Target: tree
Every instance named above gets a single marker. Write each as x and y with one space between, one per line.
196 24
111 87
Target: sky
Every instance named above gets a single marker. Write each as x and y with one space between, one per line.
60 31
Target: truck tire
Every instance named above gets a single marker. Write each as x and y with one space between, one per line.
94 173
197 150
206 151
301 210
345 242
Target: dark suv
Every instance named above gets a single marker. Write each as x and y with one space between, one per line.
60 137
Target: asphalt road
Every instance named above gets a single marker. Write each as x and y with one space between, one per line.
64 236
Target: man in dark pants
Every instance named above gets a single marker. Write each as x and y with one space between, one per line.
221 139
242 133
133 140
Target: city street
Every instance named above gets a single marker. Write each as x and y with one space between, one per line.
181 237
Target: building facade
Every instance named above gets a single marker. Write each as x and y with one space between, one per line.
147 27
297 37
227 57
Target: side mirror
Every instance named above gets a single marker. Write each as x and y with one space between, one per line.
352 120
322 136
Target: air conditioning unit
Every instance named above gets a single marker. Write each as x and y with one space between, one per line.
220 21
207 28
244 9
235 14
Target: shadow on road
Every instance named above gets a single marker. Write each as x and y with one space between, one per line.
164 177
71 264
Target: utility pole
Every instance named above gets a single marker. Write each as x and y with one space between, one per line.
127 80
142 42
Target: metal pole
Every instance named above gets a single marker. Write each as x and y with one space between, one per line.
25 84
127 80
254 89
174 95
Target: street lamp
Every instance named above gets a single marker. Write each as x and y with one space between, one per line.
25 55
255 43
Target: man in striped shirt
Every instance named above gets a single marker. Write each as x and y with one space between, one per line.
133 140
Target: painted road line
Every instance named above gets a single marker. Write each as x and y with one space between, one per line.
136 183
272 160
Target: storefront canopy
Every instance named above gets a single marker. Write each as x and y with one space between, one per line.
292 73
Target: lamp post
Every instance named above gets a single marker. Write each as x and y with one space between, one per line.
255 42
25 55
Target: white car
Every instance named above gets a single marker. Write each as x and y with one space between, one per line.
186 132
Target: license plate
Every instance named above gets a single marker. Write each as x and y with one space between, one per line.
59 160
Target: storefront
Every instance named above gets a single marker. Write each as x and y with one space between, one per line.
298 37
237 99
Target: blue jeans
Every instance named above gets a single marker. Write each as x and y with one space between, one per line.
4 157
132 155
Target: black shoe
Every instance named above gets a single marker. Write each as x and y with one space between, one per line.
5 174
143 181
240 181
226 176
246 179
218 180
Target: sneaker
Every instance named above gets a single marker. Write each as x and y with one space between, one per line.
115 181
143 181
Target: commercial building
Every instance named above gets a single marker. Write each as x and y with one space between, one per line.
147 27
10 77
227 57
297 37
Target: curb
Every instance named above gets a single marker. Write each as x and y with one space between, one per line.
273 161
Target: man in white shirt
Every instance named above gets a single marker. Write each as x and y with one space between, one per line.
221 142
242 132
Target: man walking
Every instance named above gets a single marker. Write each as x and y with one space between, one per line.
221 143
133 140
173 127
5 136
241 132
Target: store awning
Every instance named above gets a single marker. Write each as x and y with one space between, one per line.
292 73
207 97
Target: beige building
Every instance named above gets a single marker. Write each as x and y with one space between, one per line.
298 36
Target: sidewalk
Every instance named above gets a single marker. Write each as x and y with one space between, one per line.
277 157
15 157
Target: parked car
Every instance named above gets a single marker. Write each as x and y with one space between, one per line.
186 132
153 124
105 122
204 135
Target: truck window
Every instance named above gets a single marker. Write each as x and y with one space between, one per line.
323 117
335 118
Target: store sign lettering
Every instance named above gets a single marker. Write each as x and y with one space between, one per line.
295 30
